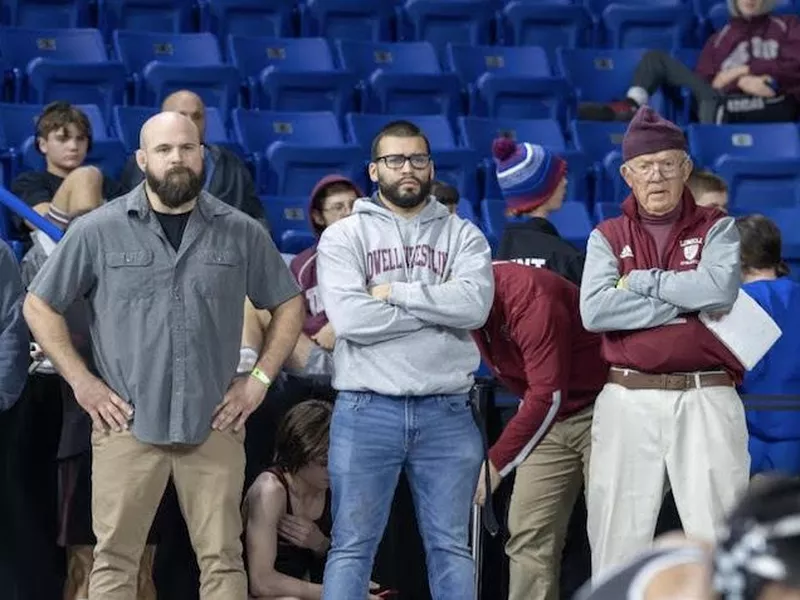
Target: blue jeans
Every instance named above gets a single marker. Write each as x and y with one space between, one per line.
438 443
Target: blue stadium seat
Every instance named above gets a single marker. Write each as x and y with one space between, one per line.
479 133
597 140
662 24
61 64
401 78
291 74
760 162
128 121
289 221
602 75
456 165
165 16
54 14
162 63
549 24
515 82
293 150
348 20
271 18
466 210
108 155
443 22
493 219
607 210
573 222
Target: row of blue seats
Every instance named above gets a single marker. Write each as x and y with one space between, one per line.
289 220
622 23
306 74
289 151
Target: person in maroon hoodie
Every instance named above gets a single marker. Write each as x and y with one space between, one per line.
670 406
535 344
748 71
331 199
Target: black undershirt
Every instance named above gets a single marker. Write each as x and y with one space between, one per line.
173 226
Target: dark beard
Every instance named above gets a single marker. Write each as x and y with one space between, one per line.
393 194
179 186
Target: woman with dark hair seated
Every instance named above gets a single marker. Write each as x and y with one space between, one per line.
287 510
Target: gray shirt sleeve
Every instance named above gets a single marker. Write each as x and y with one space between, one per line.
269 281
606 308
464 300
353 312
70 272
712 286
14 337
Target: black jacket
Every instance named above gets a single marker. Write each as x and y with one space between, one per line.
231 181
536 243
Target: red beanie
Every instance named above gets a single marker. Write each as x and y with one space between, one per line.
648 133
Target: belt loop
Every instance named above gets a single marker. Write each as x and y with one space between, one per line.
697 381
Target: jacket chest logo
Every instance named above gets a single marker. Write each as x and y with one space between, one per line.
691 249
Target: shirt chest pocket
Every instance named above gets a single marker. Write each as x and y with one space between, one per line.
129 275
220 275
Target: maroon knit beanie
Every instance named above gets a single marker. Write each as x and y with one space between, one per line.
648 133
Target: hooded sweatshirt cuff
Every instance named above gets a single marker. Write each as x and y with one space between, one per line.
398 293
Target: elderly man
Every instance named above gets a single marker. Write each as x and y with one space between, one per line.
226 176
670 406
166 269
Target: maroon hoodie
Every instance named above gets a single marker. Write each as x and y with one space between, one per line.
770 44
304 265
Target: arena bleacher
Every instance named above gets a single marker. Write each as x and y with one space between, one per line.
299 89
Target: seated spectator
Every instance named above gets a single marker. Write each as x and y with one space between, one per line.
226 176
774 433
756 558
533 181
708 189
66 188
287 510
748 71
446 194
331 199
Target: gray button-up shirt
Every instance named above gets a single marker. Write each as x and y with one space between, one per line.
166 326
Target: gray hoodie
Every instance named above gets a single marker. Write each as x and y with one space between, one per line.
417 343
14 351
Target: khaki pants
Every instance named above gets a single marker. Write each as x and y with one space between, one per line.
128 481
545 488
696 438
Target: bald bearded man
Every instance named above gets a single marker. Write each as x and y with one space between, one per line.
226 175
166 269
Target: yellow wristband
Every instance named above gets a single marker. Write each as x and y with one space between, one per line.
261 376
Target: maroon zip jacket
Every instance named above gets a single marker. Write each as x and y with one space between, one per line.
685 345
536 345
770 44
304 265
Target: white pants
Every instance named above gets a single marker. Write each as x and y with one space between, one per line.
697 438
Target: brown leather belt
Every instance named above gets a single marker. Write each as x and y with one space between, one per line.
634 380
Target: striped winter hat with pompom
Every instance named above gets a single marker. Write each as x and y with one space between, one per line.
528 174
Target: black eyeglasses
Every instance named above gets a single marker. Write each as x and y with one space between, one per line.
398 161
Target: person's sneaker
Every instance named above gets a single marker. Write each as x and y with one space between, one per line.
619 110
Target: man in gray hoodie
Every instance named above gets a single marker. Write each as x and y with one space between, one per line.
402 282
13 331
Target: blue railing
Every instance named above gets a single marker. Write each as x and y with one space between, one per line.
25 212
